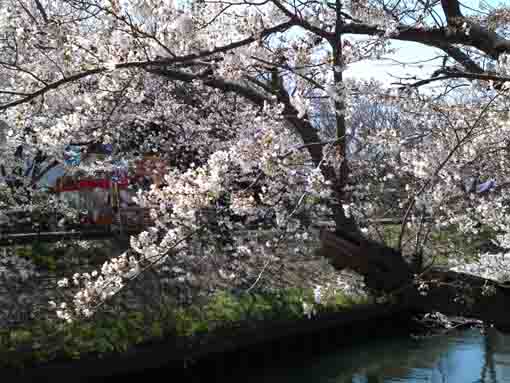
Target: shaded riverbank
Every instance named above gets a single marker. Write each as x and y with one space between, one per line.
228 347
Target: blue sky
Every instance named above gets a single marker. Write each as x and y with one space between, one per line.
417 56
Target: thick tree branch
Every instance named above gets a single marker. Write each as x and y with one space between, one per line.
451 9
461 58
41 10
459 31
435 289
479 37
303 127
471 35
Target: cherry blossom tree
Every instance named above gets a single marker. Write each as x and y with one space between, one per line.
224 91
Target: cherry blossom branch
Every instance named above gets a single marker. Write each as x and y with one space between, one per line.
450 74
297 20
436 37
145 65
443 163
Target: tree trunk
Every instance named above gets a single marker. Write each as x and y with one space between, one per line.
436 289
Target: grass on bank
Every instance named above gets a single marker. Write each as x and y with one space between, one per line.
44 341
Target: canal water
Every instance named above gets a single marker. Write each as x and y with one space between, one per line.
467 356
375 355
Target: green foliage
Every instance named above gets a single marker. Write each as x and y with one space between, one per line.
20 336
390 235
223 308
189 322
48 340
342 300
40 254
227 310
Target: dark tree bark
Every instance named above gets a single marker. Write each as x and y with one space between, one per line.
384 268
435 289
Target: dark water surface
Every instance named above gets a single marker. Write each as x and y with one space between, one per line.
466 356
382 352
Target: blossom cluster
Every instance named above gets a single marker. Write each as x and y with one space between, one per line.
96 287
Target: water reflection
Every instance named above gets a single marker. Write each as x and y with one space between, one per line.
458 357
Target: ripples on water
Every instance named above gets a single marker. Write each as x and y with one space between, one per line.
458 357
